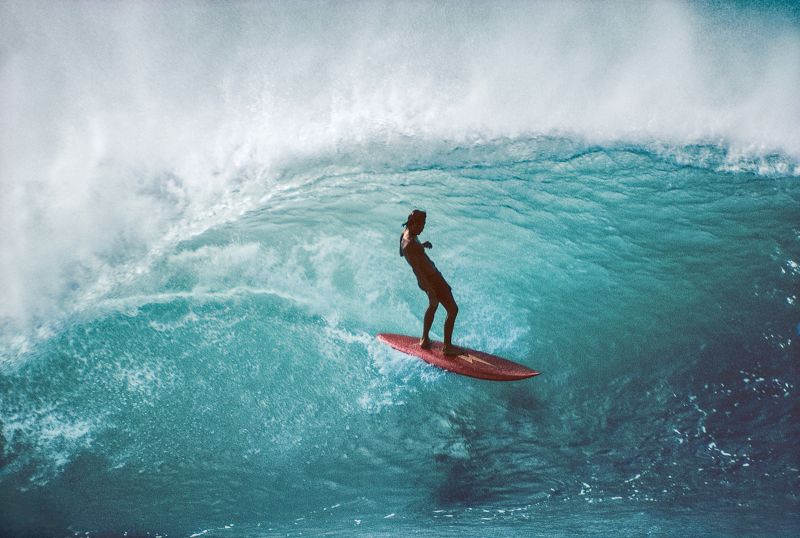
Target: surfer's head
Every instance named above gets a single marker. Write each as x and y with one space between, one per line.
416 221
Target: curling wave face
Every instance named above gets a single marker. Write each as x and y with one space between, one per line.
658 298
128 128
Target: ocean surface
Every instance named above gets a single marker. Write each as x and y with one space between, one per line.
200 205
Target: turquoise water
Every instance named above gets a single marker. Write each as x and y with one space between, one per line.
199 264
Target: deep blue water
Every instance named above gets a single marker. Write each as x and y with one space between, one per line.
189 311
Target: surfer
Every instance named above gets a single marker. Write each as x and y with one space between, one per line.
430 280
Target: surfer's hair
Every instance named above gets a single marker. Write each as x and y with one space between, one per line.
415 216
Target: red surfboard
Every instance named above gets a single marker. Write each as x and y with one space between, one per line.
470 362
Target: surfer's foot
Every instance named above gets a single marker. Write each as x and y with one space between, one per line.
424 343
451 350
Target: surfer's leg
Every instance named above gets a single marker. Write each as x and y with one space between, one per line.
433 304
446 297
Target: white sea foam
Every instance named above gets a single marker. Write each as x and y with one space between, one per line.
127 127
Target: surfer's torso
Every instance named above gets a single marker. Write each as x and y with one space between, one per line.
428 276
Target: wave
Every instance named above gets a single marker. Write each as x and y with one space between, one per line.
200 207
72 273
131 127
236 366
